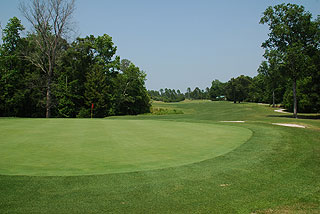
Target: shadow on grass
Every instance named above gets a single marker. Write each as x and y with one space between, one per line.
302 116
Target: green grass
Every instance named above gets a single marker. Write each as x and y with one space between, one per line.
59 147
276 171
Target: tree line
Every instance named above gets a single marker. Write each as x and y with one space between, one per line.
290 74
44 75
171 95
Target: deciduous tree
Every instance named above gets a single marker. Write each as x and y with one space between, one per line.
292 35
12 70
51 21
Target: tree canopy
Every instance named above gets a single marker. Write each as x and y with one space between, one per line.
294 38
87 72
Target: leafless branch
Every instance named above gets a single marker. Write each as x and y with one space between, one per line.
50 20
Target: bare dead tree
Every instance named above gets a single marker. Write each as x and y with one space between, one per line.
51 22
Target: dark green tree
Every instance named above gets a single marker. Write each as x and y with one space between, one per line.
12 70
292 35
88 61
217 90
271 70
97 93
132 96
155 95
237 89
231 93
188 93
196 94
72 69
257 89
167 95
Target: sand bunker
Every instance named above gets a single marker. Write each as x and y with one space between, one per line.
281 111
289 125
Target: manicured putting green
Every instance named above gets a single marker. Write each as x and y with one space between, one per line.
49 147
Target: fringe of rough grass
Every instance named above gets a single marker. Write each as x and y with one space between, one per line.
164 111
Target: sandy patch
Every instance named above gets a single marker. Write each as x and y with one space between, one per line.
281 111
289 125
237 121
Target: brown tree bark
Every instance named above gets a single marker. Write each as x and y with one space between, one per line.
273 99
295 103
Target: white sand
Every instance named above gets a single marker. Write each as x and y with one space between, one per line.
289 125
281 111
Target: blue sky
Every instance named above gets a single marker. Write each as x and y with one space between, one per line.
178 43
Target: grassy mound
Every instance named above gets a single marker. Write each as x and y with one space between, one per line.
83 147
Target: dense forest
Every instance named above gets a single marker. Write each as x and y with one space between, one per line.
42 74
85 76
290 74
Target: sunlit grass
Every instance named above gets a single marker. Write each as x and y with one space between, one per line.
59 147
277 169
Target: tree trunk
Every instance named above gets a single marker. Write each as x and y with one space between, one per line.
48 100
48 97
295 104
273 103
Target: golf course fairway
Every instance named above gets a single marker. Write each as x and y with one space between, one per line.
172 163
68 147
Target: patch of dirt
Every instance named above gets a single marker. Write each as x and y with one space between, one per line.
289 125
